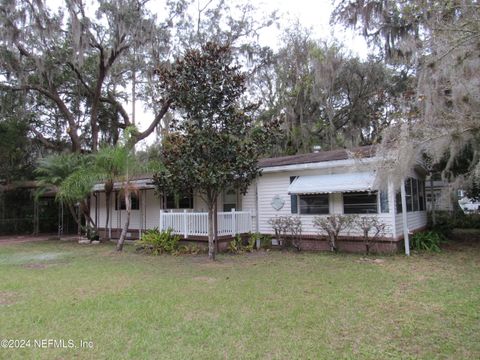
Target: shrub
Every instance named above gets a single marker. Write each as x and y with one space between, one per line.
446 221
239 245
265 240
188 249
332 225
158 242
427 241
372 228
288 230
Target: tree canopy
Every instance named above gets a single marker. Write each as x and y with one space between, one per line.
440 41
216 143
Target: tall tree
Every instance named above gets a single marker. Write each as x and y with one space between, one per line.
327 97
440 40
76 64
216 144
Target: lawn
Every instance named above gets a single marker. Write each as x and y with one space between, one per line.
267 305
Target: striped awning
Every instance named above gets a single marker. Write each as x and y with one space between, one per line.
333 183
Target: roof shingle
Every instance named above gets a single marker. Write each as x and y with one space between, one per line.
322 156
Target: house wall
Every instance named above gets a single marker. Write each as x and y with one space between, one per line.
264 188
146 217
416 220
277 183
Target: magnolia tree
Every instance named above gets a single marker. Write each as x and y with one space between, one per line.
216 143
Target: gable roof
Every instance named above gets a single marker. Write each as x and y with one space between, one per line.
322 156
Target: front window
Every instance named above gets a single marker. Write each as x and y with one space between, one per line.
360 203
179 201
313 204
120 201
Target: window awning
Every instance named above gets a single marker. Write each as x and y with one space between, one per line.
333 183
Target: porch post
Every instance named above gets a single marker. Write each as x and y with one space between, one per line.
405 218
185 228
234 223
160 224
111 217
140 207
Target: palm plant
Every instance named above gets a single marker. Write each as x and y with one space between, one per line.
110 163
52 171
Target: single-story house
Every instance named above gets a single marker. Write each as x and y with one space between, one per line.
306 185
443 195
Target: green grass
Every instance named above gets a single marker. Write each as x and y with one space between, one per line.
257 306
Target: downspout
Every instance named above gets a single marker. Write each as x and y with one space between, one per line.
405 218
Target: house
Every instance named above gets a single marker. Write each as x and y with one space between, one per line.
440 195
306 185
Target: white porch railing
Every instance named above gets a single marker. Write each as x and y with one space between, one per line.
196 223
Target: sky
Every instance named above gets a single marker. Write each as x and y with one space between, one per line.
314 14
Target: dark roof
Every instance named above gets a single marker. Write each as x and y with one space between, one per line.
321 156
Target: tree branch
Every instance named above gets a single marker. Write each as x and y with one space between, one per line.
156 121
48 144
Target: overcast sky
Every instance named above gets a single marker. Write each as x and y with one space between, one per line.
314 14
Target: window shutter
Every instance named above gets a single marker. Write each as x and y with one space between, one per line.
293 199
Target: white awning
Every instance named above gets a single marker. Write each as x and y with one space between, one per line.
334 183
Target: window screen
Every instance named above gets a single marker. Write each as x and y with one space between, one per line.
360 203
313 204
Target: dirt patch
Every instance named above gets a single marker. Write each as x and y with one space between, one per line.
8 298
36 266
200 315
207 279
371 261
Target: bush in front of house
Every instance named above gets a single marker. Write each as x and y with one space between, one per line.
239 245
372 229
332 226
427 241
288 230
446 221
264 240
158 242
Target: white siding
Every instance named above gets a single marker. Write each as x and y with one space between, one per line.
416 220
272 184
248 204
151 209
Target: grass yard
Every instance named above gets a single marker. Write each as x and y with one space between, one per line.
267 305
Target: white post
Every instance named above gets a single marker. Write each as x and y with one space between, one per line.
405 218
160 224
185 231
111 217
234 223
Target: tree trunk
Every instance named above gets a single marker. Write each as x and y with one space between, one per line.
211 235
128 207
74 215
108 195
215 226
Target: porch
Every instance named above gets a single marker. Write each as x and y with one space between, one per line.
194 225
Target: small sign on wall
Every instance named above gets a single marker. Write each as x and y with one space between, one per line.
277 202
